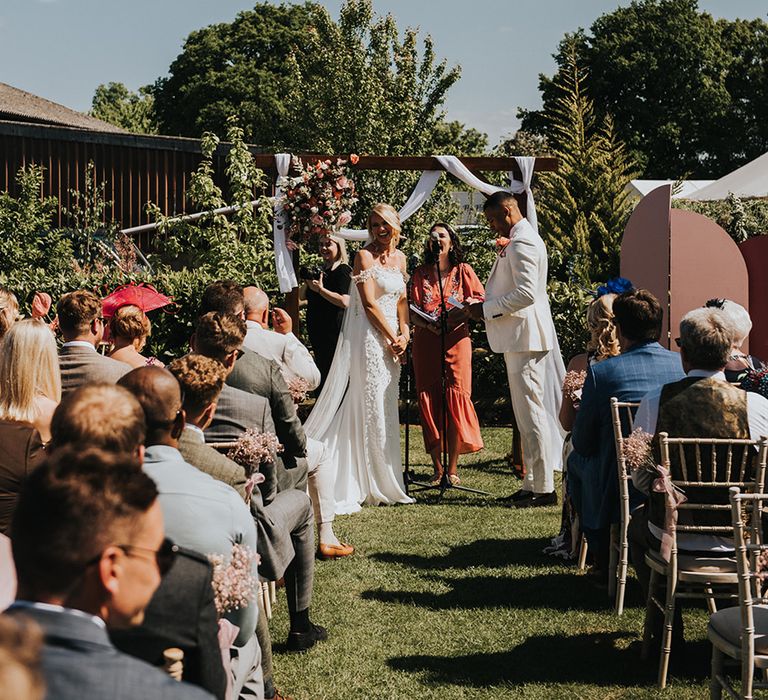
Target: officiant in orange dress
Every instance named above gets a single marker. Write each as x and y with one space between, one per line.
460 284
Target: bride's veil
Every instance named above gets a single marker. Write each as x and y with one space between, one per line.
337 382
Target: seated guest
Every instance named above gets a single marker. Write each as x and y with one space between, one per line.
220 336
603 343
703 404
258 375
199 512
285 536
642 365
181 613
9 310
82 327
739 364
89 548
129 329
280 344
30 389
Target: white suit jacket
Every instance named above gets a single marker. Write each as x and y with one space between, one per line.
287 350
516 307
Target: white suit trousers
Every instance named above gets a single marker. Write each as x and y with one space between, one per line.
320 481
540 436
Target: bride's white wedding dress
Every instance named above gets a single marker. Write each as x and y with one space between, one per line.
356 414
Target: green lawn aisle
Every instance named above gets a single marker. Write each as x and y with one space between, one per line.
455 600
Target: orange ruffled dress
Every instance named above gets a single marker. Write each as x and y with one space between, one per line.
463 284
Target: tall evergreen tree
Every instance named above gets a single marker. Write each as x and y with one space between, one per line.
585 203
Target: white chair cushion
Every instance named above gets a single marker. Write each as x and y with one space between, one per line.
727 624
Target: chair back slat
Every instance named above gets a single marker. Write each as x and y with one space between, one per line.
707 496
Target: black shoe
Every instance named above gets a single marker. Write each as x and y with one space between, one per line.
301 641
520 495
538 500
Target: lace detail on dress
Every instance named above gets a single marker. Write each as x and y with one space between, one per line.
372 272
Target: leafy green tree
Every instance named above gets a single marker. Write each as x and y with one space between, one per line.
584 205
239 68
688 93
133 111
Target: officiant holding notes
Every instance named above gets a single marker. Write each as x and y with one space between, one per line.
519 324
461 288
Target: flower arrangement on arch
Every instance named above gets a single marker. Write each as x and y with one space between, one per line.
319 198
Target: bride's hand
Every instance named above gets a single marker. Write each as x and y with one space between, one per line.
398 345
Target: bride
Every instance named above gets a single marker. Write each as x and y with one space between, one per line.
356 414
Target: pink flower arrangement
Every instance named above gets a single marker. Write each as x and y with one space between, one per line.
573 383
637 450
234 584
299 387
318 199
254 448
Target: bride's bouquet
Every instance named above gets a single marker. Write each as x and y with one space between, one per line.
319 199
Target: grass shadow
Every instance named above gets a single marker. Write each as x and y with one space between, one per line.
554 659
564 592
490 553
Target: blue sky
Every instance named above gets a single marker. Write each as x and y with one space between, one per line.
63 49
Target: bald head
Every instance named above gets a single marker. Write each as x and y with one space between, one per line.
99 415
159 394
256 305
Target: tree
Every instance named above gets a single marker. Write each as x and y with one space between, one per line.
684 89
240 68
584 205
133 111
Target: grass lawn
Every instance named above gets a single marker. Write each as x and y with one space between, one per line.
453 599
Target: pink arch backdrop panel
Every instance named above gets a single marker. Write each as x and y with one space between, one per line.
645 249
755 253
704 263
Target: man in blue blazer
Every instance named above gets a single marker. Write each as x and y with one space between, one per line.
642 366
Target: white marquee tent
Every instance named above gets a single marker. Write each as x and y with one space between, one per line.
750 180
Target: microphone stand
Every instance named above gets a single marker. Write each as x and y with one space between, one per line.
445 483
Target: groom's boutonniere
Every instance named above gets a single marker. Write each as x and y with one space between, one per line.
501 245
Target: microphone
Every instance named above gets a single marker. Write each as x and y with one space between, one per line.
434 242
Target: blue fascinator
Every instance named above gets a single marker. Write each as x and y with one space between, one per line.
617 285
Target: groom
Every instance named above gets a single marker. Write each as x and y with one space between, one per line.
519 324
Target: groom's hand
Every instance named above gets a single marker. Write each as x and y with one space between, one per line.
475 311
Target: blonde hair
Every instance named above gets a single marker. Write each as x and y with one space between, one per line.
9 309
29 367
390 216
130 323
603 340
341 244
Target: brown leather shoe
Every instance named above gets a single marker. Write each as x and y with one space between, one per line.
334 551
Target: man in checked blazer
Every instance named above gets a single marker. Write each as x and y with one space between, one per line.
642 366
82 327
285 531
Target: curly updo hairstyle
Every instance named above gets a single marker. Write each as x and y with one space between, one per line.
603 341
130 323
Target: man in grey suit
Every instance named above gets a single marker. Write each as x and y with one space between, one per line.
258 375
82 327
89 548
285 532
